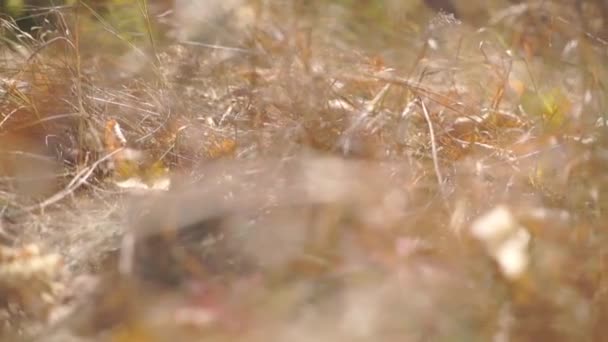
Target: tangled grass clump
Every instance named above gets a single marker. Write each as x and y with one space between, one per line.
306 170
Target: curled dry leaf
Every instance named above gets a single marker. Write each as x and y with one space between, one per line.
131 168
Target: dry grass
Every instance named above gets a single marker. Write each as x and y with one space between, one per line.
336 171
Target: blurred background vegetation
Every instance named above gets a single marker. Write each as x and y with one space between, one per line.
457 187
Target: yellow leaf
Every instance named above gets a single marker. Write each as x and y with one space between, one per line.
551 107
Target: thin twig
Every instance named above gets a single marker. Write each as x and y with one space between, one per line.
427 117
47 44
45 119
76 182
9 115
216 46
125 105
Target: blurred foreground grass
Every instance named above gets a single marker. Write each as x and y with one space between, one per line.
324 170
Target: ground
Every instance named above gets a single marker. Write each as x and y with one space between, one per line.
323 170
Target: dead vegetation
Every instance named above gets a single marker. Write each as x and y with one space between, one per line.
258 170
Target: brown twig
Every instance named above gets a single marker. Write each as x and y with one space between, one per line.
427 117
74 184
